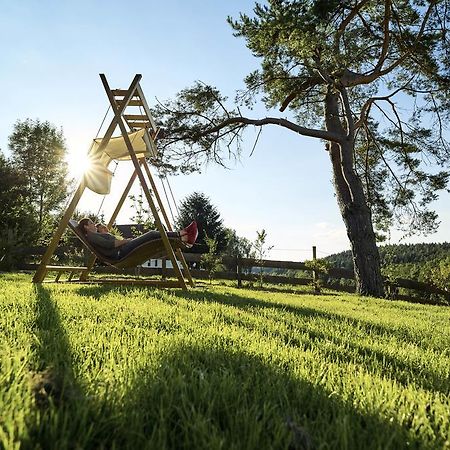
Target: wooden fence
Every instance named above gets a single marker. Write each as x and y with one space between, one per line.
246 269
331 279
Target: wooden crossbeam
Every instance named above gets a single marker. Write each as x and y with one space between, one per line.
65 268
130 103
61 269
145 106
139 124
138 117
121 92
155 283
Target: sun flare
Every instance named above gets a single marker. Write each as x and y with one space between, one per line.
78 163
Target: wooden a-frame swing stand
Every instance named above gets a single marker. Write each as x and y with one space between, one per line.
119 100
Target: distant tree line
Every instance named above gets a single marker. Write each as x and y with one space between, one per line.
397 254
428 263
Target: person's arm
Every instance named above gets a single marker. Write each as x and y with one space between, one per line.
117 242
120 242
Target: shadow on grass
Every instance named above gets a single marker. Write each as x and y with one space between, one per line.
64 414
386 363
245 303
202 398
375 361
207 398
281 289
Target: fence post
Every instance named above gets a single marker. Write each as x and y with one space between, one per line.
239 271
315 275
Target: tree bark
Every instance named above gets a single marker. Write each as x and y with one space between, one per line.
352 204
358 222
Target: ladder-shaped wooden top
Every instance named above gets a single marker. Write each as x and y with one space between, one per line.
135 121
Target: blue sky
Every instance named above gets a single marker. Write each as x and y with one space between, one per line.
53 51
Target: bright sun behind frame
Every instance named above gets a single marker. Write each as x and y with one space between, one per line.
78 163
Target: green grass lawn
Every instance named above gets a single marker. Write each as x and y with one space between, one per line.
89 367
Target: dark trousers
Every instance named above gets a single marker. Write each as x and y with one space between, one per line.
142 239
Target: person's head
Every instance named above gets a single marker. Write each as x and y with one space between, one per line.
85 225
102 228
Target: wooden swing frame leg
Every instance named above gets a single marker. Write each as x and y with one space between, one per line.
42 269
166 219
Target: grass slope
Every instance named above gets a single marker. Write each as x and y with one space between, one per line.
107 367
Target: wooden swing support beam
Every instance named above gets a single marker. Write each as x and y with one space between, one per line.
133 96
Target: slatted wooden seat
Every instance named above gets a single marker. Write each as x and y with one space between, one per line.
150 250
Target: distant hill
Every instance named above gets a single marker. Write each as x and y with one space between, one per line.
397 254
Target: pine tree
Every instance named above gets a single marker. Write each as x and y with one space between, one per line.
369 78
198 207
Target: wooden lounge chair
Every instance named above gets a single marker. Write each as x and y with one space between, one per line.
150 250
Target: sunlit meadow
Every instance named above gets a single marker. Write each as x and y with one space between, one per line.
89 367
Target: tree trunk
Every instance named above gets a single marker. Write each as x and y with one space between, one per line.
358 222
352 201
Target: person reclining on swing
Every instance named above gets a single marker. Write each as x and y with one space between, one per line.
102 228
111 247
